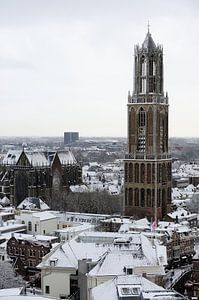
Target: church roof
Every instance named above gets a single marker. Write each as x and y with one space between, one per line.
148 42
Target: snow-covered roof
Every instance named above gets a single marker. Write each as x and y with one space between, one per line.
44 215
79 188
181 213
30 237
33 203
37 158
24 297
112 288
12 157
66 157
5 201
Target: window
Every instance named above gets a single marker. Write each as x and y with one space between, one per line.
32 253
35 227
129 271
142 173
142 198
148 173
143 66
130 172
136 173
148 198
136 197
29 226
47 289
141 117
130 196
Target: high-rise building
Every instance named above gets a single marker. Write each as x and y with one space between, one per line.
70 137
148 163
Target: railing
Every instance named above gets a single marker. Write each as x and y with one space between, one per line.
147 156
148 99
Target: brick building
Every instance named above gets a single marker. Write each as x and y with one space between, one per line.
148 163
27 254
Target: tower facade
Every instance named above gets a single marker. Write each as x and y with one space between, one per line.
148 164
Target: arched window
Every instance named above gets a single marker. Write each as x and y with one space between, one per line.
142 173
126 197
126 172
148 173
136 173
169 195
152 66
148 198
130 172
142 118
29 226
153 173
136 197
161 74
143 66
164 173
130 196
153 198
159 199
142 197
163 197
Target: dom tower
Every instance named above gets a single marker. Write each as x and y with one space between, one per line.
148 164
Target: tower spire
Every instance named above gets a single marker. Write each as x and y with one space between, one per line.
148 26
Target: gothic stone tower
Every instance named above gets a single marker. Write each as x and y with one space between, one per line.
148 163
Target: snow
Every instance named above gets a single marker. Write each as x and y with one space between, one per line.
66 157
44 215
24 297
111 289
33 203
79 188
12 157
30 237
10 292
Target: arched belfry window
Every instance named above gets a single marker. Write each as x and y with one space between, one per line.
152 73
161 74
152 66
142 118
143 72
143 66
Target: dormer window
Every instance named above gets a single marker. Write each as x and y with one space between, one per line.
53 262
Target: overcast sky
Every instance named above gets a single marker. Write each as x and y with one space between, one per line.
67 65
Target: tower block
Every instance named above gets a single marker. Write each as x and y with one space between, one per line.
147 165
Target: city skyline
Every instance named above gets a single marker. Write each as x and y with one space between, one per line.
68 66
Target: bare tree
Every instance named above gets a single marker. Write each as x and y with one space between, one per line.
8 277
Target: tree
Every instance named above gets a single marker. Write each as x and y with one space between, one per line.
8 277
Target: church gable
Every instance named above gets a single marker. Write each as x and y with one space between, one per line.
23 160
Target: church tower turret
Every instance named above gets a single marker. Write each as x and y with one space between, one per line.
148 163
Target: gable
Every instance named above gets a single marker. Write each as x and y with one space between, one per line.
23 160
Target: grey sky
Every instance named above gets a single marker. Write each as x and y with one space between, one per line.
68 65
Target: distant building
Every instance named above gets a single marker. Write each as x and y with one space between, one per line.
148 162
70 137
